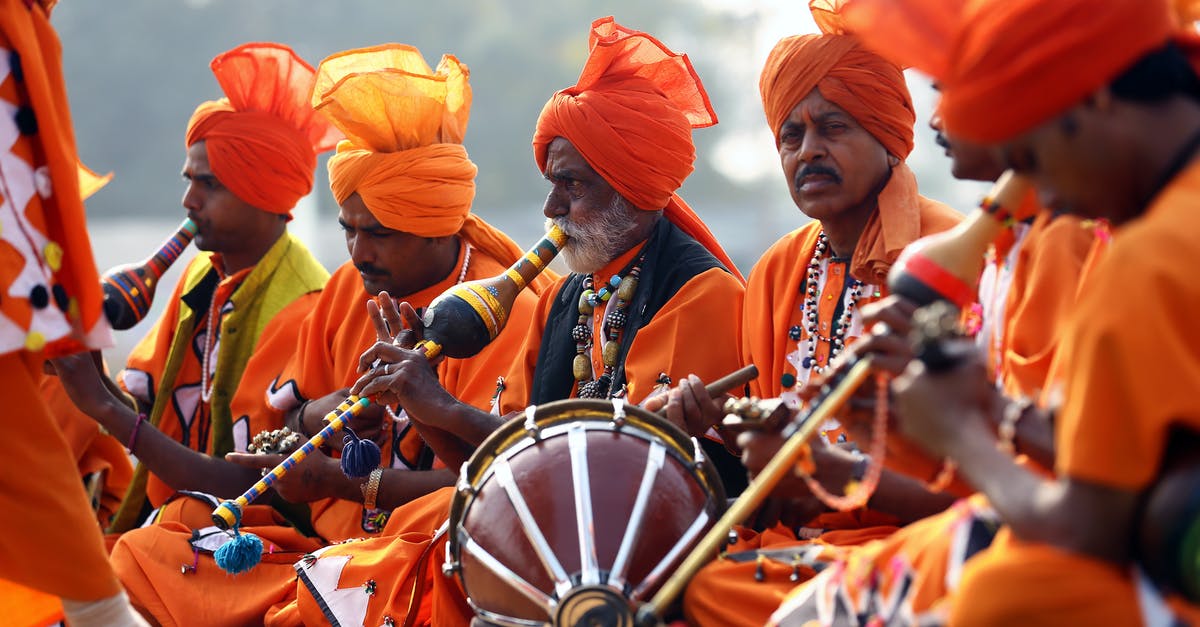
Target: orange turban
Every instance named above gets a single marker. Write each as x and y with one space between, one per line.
262 139
404 125
868 87
1005 67
873 91
631 116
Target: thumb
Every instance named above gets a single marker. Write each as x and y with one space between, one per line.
254 460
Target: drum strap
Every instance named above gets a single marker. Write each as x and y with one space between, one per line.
672 258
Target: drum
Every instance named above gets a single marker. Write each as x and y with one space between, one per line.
577 512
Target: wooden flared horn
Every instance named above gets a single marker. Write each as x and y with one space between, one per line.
946 266
129 289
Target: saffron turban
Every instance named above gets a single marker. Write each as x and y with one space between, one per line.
873 91
403 155
631 115
1007 66
263 138
868 87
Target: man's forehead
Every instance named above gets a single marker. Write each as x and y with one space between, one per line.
815 105
354 212
562 157
196 161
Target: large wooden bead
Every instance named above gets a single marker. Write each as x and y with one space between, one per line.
627 288
610 353
585 306
582 368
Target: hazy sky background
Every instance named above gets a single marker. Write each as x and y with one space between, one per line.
136 70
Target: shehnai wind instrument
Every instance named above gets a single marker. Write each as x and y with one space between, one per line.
459 323
129 289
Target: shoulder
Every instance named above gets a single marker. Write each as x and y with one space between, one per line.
937 216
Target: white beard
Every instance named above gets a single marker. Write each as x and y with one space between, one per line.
593 244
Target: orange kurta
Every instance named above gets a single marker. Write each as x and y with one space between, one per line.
312 354
1126 385
1036 280
705 307
51 302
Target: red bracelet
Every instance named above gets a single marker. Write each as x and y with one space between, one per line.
133 434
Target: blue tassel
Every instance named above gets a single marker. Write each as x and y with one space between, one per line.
359 457
240 554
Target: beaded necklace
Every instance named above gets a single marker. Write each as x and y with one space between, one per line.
207 364
837 339
614 322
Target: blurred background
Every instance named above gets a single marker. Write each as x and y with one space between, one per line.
136 70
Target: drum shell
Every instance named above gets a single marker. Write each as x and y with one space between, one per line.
684 493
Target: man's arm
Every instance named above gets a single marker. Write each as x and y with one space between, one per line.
942 413
179 466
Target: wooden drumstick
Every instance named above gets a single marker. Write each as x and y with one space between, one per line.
756 492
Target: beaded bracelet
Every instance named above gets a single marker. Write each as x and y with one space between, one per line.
134 433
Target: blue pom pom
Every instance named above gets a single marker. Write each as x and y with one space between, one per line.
359 457
240 554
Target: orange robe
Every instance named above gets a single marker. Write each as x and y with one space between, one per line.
695 331
1030 284
1132 367
310 354
50 305
774 303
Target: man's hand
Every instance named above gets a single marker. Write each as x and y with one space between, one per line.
84 383
368 424
932 407
688 406
317 477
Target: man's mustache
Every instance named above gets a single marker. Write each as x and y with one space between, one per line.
367 268
816 170
941 140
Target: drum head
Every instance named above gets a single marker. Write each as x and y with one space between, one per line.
578 503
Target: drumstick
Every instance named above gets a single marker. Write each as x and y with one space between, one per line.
727 383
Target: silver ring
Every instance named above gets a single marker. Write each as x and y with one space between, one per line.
387 369
880 328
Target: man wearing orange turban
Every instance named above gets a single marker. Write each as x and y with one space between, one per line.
843 122
405 186
1105 118
250 158
616 146
50 306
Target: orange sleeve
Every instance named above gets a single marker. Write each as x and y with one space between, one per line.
518 384
144 366
1134 361
695 332
1042 295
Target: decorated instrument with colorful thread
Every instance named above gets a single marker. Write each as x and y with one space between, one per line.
129 289
947 265
466 317
459 323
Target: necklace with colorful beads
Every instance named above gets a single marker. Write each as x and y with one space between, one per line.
837 339
624 288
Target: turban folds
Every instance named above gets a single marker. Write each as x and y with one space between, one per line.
403 154
262 139
868 87
631 115
1006 67
872 90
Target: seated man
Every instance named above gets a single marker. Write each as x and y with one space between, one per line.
1106 124
615 148
406 200
843 122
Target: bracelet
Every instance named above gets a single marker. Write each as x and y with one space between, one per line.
1006 431
370 489
134 433
300 421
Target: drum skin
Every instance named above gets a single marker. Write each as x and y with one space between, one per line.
547 477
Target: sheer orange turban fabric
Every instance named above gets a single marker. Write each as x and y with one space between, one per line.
403 154
263 137
1007 66
631 116
873 91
